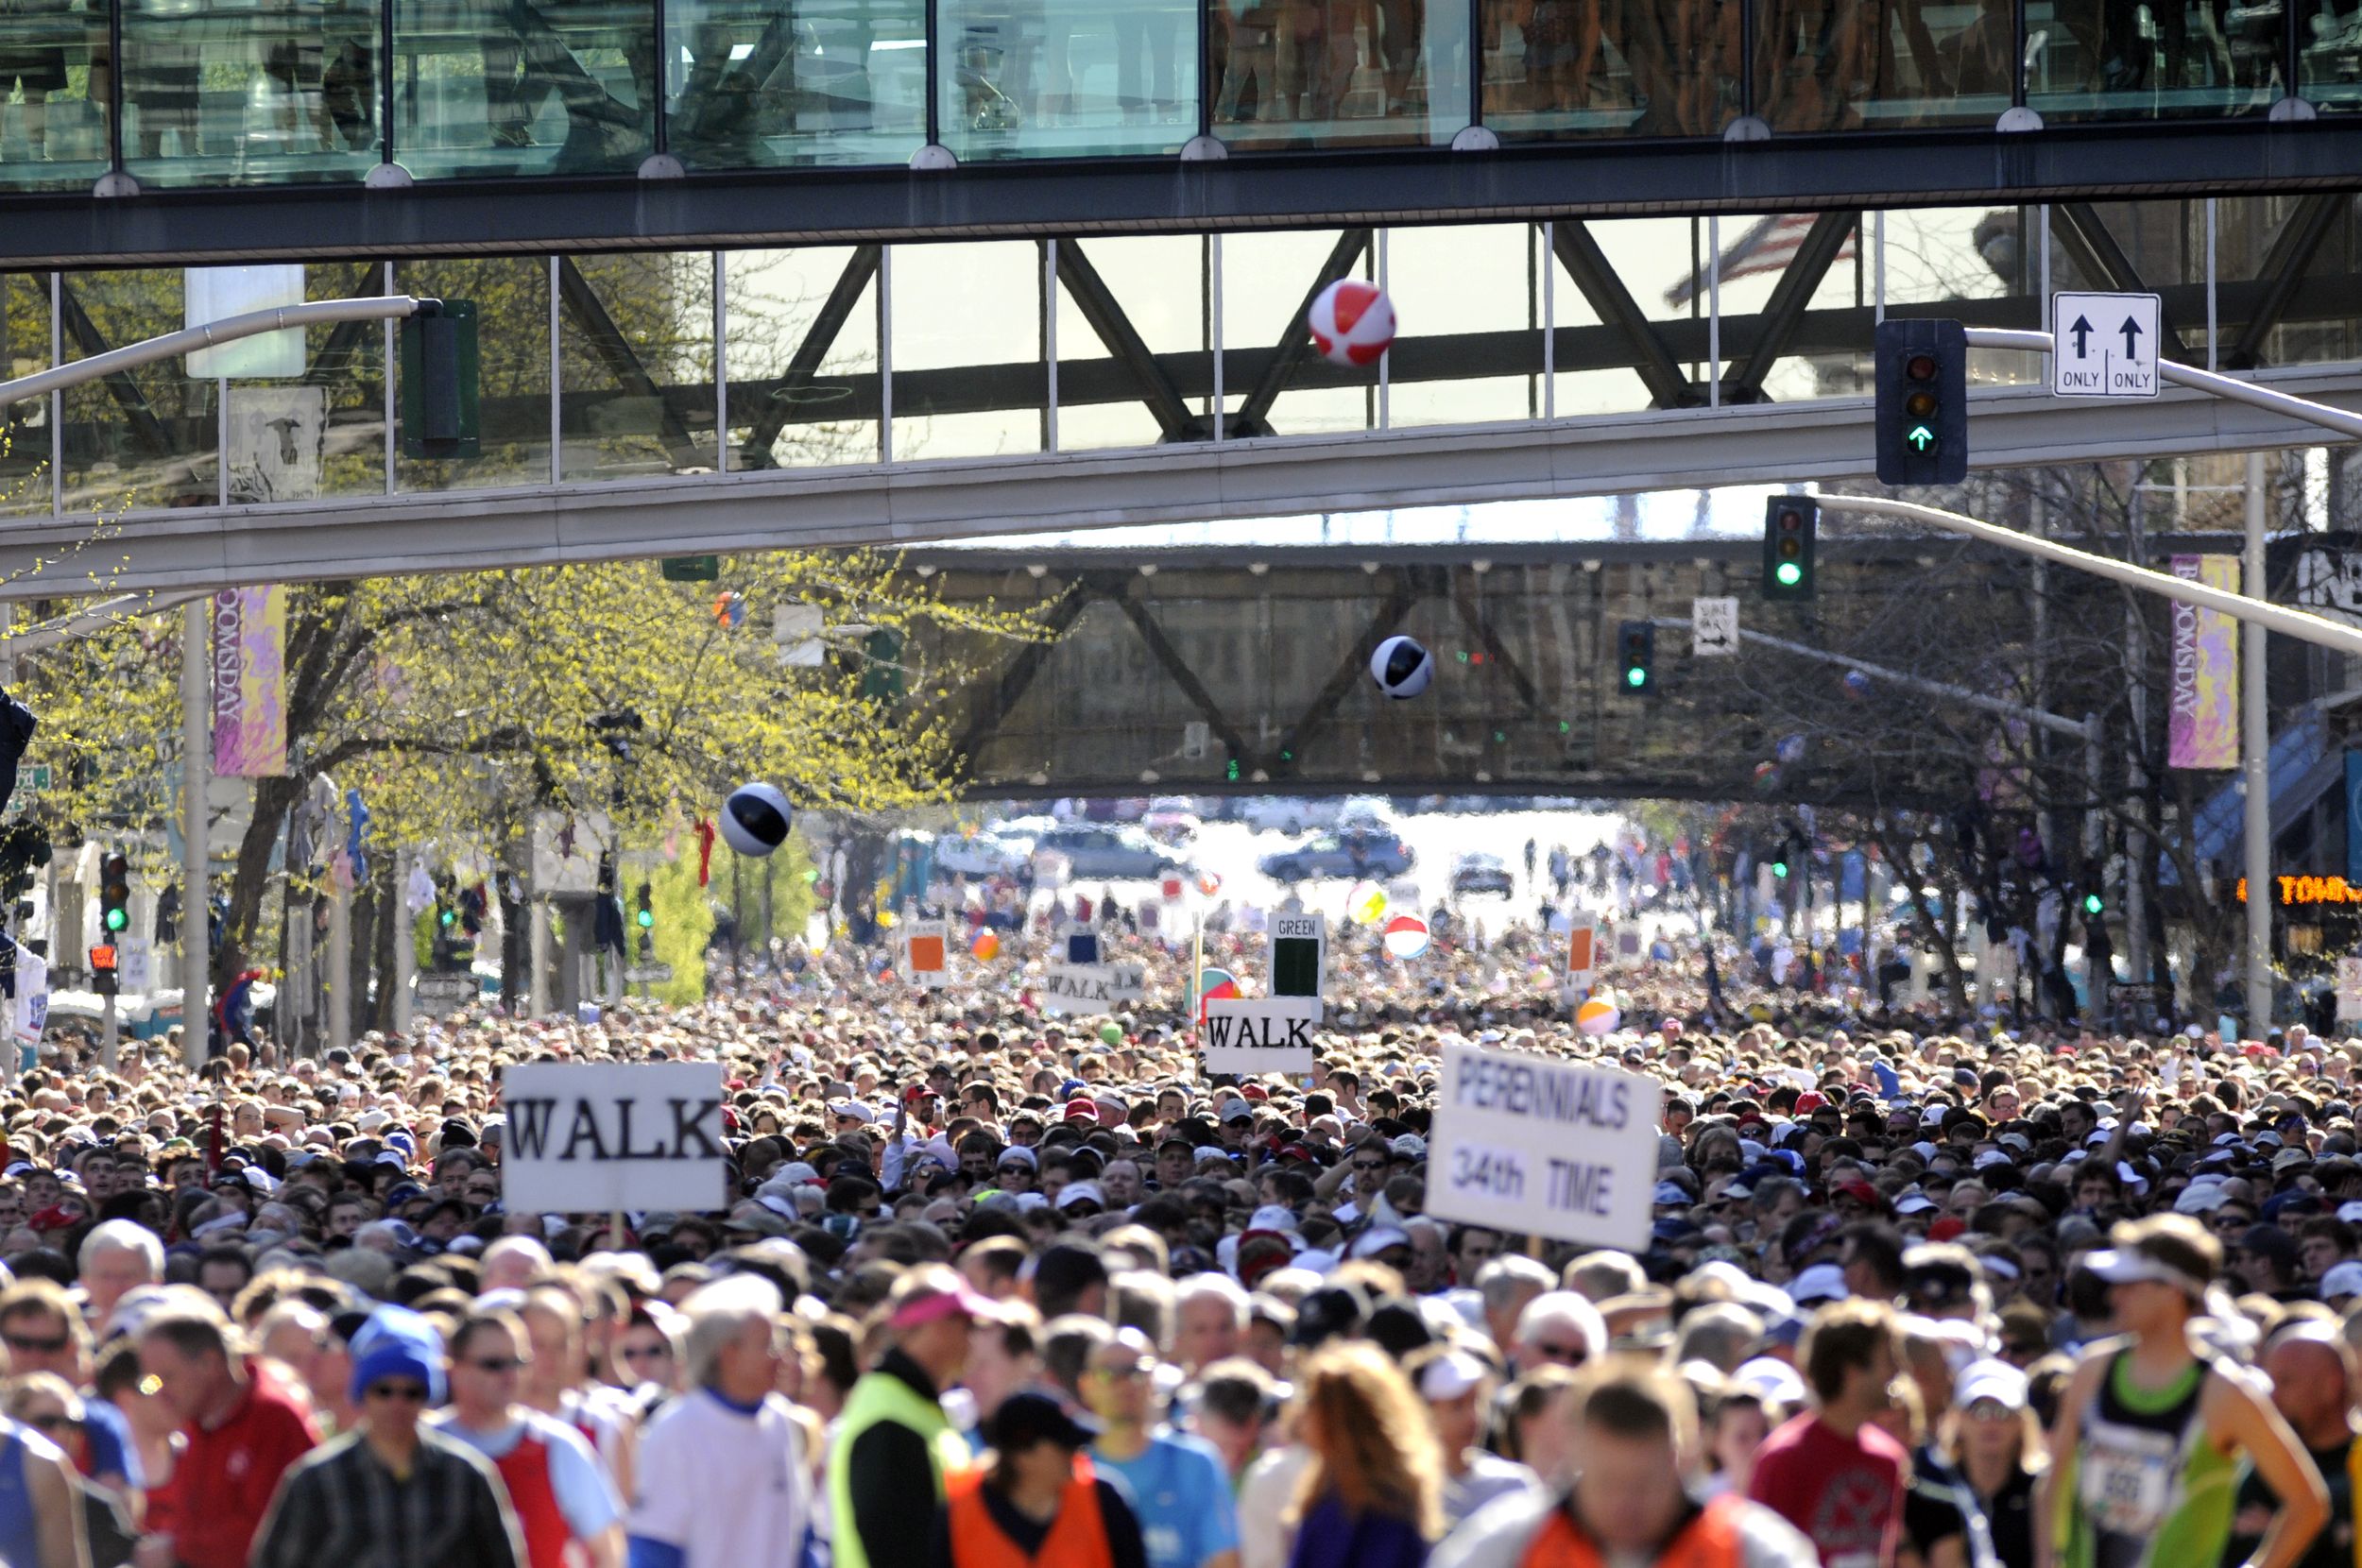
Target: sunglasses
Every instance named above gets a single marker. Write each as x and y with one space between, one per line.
1991 1409
31 1346
643 1352
1015 1169
59 1423
1121 1374
406 1393
1569 1355
495 1364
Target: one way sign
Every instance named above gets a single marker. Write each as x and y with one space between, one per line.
2103 345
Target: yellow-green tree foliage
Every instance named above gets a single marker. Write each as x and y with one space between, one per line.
460 705
684 924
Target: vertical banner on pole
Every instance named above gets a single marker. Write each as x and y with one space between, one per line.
2204 731
248 682
2353 819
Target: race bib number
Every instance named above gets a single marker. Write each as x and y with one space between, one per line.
2128 1478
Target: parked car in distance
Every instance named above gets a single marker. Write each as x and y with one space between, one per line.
1482 873
1172 819
982 853
1095 853
1347 852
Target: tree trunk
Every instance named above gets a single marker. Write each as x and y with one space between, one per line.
274 798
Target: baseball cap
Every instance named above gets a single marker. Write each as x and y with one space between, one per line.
1822 1281
1030 1416
2343 1279
1995 1380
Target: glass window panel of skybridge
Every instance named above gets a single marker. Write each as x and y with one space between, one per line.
1160 282
25 471
2106 59
1981 264
1062 79
523 89
627 317
54 101
755 85
968 377
223 94
1859 66
1292 74
1661 264
1565 69
512 300
1829 353
1264 277
1468 307
777 302
2321 321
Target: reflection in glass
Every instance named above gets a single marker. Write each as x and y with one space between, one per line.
220 94
1478 289
1159 284
760 83
1058 77
1321 72
1648 68
53 133
2092 60
2329 54
1822 66
25 349
143 437
511 295
1265 278
1980 265
803 356
524 86
636 364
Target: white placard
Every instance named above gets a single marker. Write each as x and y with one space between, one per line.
1582 953
590 1139
31 1014
1090 988
1713 627
211 294
1259 1034
1531 1144
927 953
135 964
1301 928
2350 988
566 851
2103 345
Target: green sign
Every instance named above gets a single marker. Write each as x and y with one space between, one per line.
692 569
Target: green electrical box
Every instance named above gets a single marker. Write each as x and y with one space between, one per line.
441 403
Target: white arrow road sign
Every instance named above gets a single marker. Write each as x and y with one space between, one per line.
2103 345
1713 627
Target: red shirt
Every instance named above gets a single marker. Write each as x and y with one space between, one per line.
1845 1494
223 1484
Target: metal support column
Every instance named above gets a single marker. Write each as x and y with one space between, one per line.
2255 765
195 766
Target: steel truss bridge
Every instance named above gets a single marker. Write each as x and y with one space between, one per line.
890 394
1212 670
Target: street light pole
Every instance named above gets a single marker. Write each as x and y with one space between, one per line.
197 743
2255 766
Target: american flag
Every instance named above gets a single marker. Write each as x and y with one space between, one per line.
1767 246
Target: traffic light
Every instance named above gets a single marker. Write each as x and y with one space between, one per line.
115 894
1635 646
440 415
1779 866
1922 402
2094 904
1790 524
644 917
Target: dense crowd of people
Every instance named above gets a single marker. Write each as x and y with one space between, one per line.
997 1286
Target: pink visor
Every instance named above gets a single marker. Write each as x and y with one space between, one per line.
922 1310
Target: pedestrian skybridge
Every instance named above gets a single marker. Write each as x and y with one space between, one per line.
670 402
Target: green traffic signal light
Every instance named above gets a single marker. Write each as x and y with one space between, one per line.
2092 903
447 916
647 918
1636 677
1920 440
1789 573
1779 868
116 919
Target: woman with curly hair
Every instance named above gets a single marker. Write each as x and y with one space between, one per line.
1372 1497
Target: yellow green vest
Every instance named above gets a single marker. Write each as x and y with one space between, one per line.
879 1399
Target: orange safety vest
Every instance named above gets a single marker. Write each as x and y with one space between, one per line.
1709 1540
1077 1538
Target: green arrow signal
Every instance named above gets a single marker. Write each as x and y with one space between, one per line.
1920 440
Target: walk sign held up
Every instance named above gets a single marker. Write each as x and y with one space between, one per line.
1582 953
1259 1035
926 948
1526 1143
2104 345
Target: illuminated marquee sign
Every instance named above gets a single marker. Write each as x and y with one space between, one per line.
2312 889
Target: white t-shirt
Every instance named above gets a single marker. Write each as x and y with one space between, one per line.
699 1449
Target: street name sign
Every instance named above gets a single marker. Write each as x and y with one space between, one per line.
2103 345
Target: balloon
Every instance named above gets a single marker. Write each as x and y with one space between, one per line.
988 944
1597 1016
1365 902
1351 322
1406 936
1793 749
1213 985
1208 883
